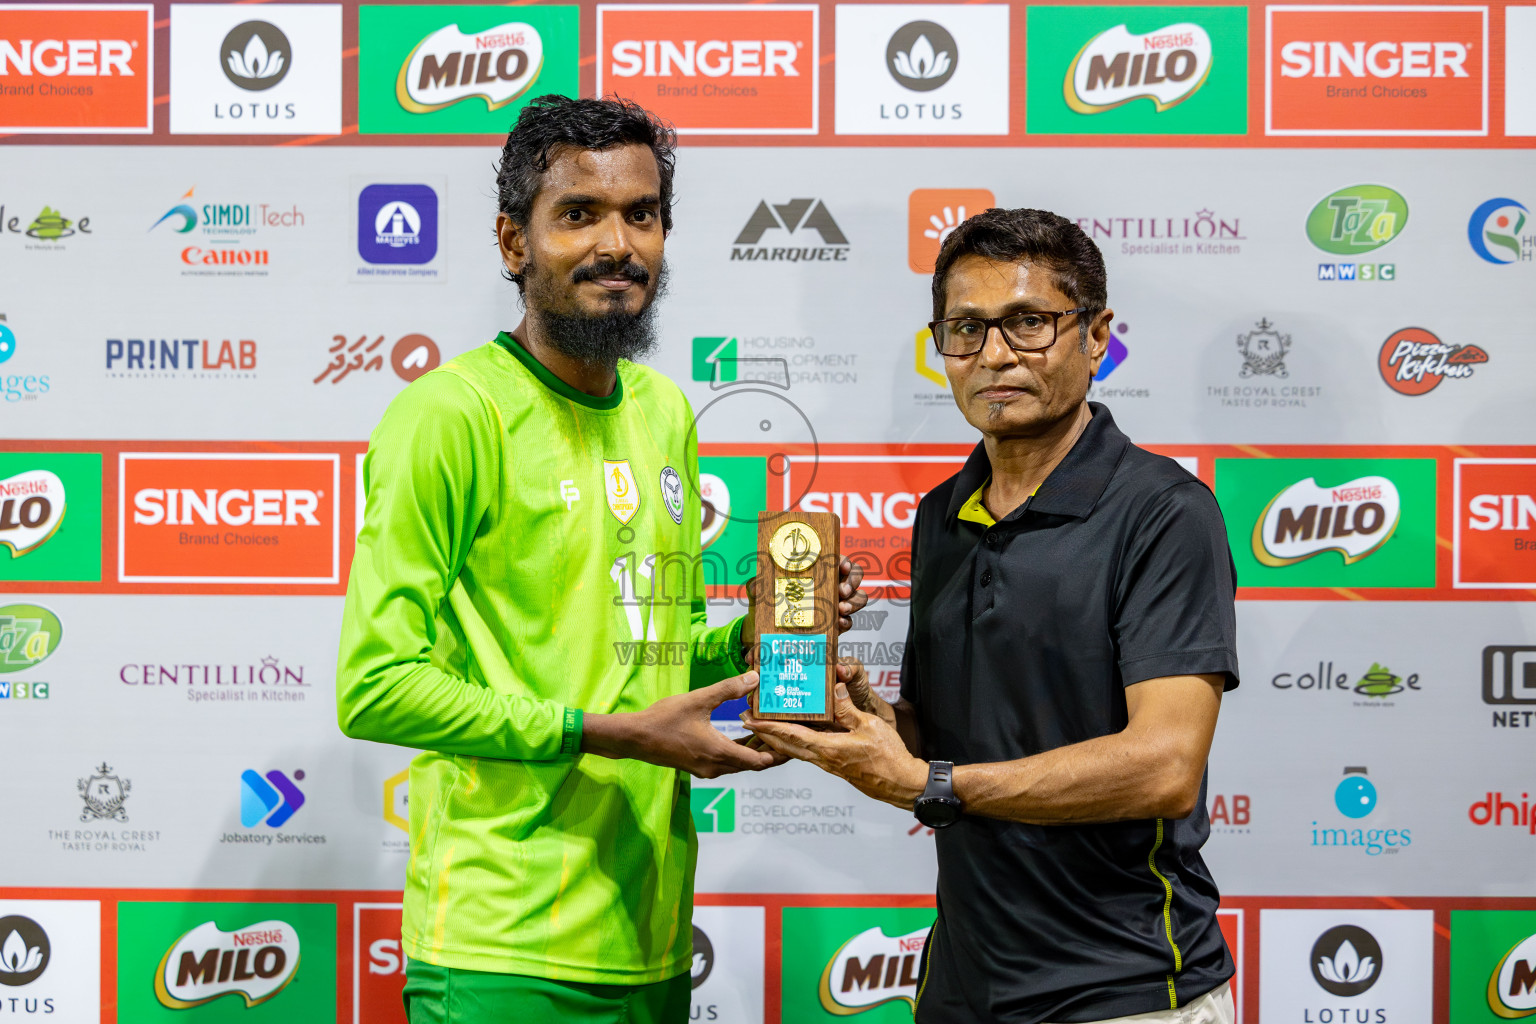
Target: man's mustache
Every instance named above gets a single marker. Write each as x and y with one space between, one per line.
609 268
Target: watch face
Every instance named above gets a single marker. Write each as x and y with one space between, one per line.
937 813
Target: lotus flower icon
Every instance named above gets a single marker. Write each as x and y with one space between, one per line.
1346 966
256 55
256 61
16 957
922 55
922 61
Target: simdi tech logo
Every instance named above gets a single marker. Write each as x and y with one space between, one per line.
460 69
50 516
714 69
1376 70
1138 70
1495 524
77 68
1330 522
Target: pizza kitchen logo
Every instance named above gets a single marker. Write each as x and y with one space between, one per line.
256 963
1166 66
1413 361
1305 520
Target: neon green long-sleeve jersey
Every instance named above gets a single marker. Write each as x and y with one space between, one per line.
529 552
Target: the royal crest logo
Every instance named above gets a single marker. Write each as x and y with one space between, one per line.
1304 520
1166 66
104 794
672 494
255 963
1264 350
31 509
623 494
497 65
1413 361
870 969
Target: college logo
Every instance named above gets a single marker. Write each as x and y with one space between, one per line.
104 794
51 226
1414 362
1088 67
1363 70
397 224
1355 519
924 70
716 69
273 799
1495 524
29 633
459 69
1494 232
797 215
622 491
200 518
256 963
1263 350
932 216
24 951
1357 220
256 55
1346 960
1378 682
71 69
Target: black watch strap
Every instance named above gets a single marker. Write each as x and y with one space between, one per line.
938 807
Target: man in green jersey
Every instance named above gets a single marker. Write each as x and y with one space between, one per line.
526 606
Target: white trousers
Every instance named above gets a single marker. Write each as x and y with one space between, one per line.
1215 1007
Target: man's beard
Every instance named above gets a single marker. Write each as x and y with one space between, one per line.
604 338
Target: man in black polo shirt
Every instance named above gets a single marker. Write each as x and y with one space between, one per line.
1072 632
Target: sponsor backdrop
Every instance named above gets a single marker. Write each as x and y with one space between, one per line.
229 234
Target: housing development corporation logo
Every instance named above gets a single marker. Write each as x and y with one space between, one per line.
1413 361
714 69
1137 69
255 962
460 69
1496 232
77 68
1495 524
799 218
1376 70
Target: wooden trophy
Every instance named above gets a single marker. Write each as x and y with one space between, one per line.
796 616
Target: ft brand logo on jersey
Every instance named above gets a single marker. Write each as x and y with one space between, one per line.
84 68
1495 531
714 69
1361 70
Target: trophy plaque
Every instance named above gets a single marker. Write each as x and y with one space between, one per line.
796 616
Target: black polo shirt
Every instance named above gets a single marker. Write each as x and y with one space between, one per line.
1024 636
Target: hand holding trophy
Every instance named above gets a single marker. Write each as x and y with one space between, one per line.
796 617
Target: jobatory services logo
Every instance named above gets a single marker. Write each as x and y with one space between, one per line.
228 518
922 70
181 358
1495 524
397 230
276 71
1162 70
847 961
932 216
1330 522
233 234
1493 965
73 68
50 959
714 69
460 69
1354 221
1376 70
799 219
410 356
1413 361
1496 232
269 799
50 516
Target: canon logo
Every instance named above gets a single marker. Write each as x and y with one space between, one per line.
51 57
184 506
715 58
879 509
1301 59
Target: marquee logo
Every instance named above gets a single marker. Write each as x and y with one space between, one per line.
29 633
1495 232
871 969
31 510
449 66
797 215
1167 66
1414 362
1495 524
71 69
255 963
1304 520
1512 985
1369 70
1358 219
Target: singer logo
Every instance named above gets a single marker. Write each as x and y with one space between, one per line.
378 965
497 65
187 518
1165 66
255 963
1495 505
1362 70
76 69
712 70
1304 520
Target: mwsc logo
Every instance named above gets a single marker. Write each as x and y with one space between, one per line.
1358 219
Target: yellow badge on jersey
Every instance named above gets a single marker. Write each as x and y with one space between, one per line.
623 495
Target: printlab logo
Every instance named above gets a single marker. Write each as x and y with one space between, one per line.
1413 361
24 951
932 216
256 55
256 962
271 800
713 808
1495 232
104 792
410 357
797 218
397 224
1354 221
922 56
1231 814
1346 960
1264 350
201 358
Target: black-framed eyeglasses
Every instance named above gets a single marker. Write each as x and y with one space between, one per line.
1031 331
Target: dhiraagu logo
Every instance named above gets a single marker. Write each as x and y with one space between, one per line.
713 808
1357 220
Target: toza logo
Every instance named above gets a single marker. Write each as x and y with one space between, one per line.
1166 66
870 969
256 963
1357 219
922 56
29 633
32 508
256 55
449 66
1346 960
1413 361
1304 520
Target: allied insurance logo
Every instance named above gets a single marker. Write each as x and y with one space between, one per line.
77 68
1164 70
460 69
211 518
1376 70
714 69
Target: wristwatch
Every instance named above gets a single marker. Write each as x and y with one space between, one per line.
938 807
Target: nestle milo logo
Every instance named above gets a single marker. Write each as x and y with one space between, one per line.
1357 219
28 634
1116 66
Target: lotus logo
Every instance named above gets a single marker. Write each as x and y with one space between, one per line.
255 963
922 56
1304 520
31 509
1166 66
24 950
255 55
1512 986
870 969
497 65
1346 960
1357 219
703 957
